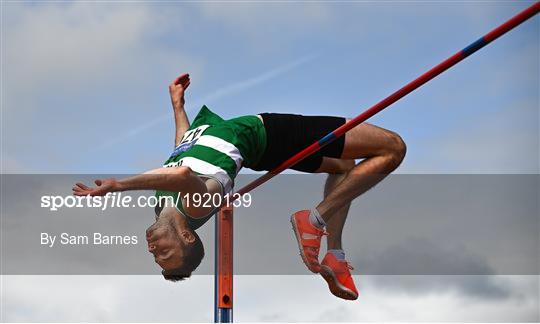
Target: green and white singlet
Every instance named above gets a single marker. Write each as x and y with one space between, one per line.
218 148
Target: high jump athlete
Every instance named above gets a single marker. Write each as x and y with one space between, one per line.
209 153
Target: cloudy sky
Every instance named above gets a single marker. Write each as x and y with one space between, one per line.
84 90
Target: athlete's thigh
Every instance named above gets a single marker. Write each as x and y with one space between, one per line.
366 140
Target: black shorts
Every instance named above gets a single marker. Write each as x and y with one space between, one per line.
288 134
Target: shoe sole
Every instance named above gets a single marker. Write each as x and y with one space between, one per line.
299 242
335 286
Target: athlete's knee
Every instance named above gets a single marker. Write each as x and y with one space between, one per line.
397 149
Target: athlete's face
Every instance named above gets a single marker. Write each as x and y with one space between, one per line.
167 243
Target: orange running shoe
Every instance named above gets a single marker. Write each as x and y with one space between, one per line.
309 239
337 275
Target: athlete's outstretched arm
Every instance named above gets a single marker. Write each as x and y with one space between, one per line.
175 179
177 89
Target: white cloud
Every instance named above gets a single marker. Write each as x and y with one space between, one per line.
266 23
257 298
69 67
72 48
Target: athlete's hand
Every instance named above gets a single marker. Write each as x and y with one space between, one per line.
177 89
101 189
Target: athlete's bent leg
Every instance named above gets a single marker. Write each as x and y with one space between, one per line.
337 170
382 151
334 268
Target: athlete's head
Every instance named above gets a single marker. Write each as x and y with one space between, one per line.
175 246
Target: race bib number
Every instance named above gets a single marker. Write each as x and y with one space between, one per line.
189 139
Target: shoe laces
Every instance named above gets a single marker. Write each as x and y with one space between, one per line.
322 232
314 251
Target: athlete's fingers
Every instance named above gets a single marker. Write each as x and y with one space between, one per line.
79 189
183 78
82 186
80 192
186 84
179 78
